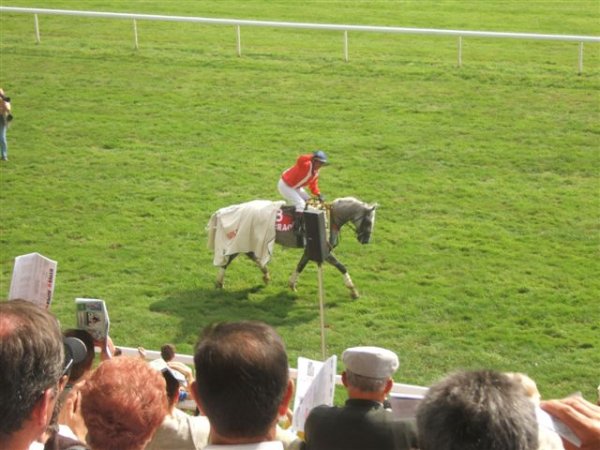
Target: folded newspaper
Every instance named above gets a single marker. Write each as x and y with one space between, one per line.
404 406
315 385
33 279
92 316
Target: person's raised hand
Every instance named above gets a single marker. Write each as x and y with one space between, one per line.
581 416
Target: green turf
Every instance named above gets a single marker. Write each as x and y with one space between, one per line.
485 252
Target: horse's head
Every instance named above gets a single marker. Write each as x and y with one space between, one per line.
365 224
362 216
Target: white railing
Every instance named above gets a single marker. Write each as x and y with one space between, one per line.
238 23
150 355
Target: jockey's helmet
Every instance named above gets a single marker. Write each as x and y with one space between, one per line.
320 156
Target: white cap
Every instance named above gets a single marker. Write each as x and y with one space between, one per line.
372 362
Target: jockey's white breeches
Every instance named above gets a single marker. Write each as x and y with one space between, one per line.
296 197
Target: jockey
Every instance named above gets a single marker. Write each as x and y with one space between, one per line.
304 173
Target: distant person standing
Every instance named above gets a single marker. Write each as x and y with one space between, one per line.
304 173
5 118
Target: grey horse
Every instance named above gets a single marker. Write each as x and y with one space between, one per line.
342 211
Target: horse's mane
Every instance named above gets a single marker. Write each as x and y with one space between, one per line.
349 200
349 208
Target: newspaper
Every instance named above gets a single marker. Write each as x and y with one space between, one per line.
554 424
404 406
92 316
33 279
315 385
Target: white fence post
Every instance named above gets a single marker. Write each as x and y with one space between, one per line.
580 58
37 29
460 51
239 40
346 45
135 34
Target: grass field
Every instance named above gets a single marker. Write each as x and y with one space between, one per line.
485 252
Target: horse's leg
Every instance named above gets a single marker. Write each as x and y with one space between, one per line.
263 269
299 268
221 275
347 280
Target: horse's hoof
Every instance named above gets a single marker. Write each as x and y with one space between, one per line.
218 285
292 286
354 294
266 278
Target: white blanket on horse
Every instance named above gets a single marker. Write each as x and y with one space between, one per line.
247 227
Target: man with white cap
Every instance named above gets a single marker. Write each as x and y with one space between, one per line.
363 422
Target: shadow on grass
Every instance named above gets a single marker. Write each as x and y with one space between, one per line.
198 308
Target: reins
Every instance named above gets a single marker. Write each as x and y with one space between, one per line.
322 206
326 206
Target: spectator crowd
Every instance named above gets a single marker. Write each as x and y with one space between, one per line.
53 396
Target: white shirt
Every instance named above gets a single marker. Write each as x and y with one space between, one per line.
63 430
270 445
180 431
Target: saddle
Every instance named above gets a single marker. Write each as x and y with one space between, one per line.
287 232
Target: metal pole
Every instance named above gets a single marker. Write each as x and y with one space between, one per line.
239 41
346 45
321 310
580 58
37 28
460 51
135 34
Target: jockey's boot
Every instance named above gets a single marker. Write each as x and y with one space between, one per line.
299 228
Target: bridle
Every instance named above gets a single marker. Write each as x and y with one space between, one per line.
362 229
362 225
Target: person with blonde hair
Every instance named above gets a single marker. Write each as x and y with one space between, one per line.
123 403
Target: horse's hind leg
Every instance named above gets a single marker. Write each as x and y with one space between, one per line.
347 280
292 282
219 282
263 269
220 278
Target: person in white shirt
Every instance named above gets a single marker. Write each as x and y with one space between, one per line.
178 429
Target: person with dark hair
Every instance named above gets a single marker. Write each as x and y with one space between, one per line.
363 422
123 403
242 384
32 365
69 418
79 370
477 410
179 430
180 371
167 352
